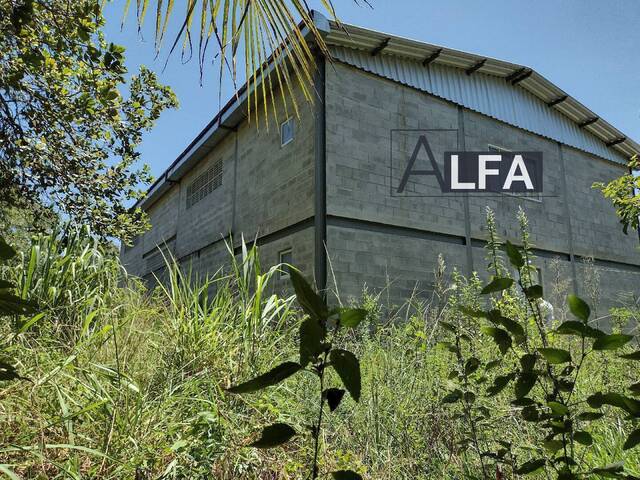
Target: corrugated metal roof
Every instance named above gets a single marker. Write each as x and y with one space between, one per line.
485 85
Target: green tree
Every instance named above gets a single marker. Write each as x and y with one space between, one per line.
624 192
70 118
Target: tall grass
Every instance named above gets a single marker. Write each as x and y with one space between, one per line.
129 383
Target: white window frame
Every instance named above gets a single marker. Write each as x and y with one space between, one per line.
524 195
292 122
283 273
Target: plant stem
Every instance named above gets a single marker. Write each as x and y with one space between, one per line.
316 431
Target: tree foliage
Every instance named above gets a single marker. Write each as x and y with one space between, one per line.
540 370
624 192
70 119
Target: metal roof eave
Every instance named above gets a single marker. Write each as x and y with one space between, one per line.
351 36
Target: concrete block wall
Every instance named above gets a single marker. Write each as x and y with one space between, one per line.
266 188
362 109
384 241
546 213
596 228
397 265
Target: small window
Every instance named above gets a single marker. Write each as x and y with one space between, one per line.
532 196
286 257
287 132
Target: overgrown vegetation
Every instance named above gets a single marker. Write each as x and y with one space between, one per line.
120 382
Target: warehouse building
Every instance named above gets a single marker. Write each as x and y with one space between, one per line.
321 190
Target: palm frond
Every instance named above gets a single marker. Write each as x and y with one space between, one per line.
270 34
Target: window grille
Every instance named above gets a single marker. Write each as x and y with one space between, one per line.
205 183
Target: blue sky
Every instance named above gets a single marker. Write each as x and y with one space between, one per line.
589 48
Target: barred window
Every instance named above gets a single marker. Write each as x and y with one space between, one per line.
205 183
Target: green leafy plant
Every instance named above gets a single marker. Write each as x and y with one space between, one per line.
624 193
544 366
11 305
317 352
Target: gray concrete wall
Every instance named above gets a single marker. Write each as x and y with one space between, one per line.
388 242
266 188
361 111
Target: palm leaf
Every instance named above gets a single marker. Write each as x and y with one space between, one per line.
267 33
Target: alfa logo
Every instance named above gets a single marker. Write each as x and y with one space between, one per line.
480 172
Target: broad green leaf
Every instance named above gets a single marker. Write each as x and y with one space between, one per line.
497 285
6 250
558 408
502 338
612 342
632 440
555 356
515 257
272 377
590 416
274 435
499 384
333 397
553 445
579 307
522 402
514 328
351 317
530 466
472 313
528 362
530 413
452 397
612 468
308 299
471 365
627 404
583 438
346 475
533 292
631 356
524 384
312 336
574 327
511 325
347 367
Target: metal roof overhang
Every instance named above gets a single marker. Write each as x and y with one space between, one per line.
378 43
357 38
